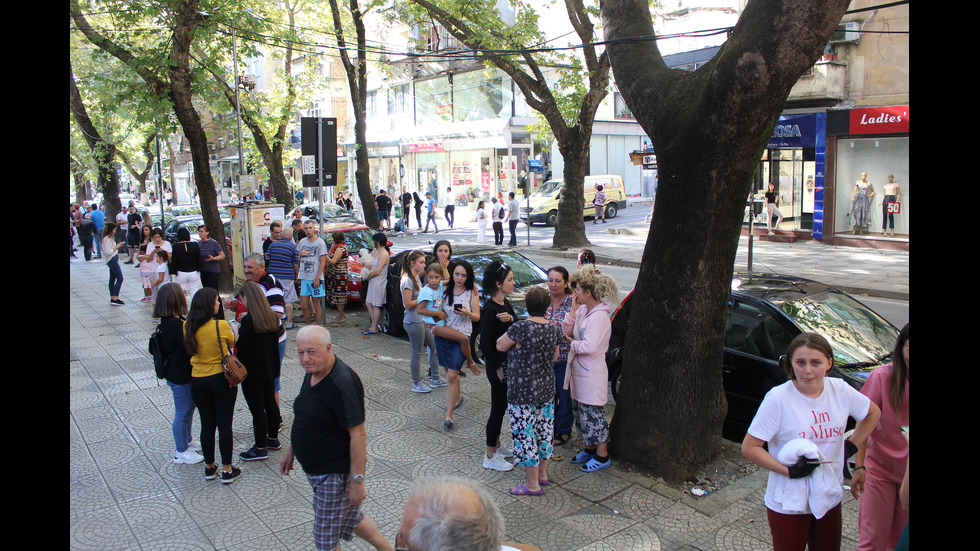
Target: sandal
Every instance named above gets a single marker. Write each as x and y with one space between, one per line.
544 482
522 490
583 456
368 332
562 439
595 465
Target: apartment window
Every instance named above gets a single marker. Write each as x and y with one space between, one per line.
399 100
622 112
372 104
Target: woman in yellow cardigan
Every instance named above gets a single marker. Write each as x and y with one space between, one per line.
213 396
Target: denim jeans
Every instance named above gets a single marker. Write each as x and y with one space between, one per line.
183 415
115 276
563 401
431 217
421 338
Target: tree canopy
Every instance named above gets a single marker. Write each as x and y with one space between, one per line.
569 108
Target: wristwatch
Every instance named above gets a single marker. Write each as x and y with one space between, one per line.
357 478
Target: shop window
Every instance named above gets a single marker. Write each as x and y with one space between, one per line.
878 203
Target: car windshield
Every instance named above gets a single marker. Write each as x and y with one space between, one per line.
548 188
356 240
334 211
192 225
525 272
858 336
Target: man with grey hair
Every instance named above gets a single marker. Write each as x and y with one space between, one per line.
450 513
329 439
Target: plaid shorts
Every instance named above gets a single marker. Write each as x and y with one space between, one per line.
334 516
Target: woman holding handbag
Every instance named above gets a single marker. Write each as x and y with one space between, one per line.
207 341
258 349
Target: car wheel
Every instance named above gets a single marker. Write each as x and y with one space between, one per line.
386 322
611 210
614 378
552 218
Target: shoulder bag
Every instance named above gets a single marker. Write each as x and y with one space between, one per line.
235 371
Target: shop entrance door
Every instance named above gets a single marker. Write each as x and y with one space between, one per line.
793 177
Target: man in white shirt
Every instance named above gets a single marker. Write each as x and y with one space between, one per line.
449 205
498 225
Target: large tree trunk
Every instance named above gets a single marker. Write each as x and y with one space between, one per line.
570 229
103 151
708 129
182 95
362 175
357 83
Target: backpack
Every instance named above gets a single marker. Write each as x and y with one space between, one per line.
155 347
501 215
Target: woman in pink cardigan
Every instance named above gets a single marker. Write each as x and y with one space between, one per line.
587 328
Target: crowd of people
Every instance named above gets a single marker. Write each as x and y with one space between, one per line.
546 373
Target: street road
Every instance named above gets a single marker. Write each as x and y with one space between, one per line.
895 311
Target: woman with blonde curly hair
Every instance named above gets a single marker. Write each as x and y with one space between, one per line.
587 329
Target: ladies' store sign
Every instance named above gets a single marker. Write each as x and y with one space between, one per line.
880 120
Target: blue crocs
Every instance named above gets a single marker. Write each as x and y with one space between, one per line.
582 456
595 465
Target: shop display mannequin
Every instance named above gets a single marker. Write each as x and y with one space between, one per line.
861 204
893 194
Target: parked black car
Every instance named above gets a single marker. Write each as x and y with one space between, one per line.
765 313
526 275
333 213
191 222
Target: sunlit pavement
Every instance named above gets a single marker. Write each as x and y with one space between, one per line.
126 493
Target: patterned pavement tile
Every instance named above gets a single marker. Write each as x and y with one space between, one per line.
126 492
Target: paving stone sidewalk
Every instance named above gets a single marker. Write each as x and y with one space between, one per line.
126 493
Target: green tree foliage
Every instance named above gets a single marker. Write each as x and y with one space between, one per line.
581 76
155 41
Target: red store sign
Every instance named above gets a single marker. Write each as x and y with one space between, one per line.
892 119
426 147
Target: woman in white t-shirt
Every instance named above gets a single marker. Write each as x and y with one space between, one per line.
813 407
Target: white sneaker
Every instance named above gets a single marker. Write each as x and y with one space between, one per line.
420 387
187 458
194 446
438 383
497 463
